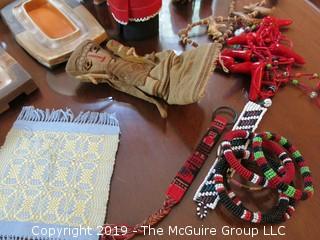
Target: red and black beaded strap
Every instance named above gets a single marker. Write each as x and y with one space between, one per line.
191 167
288 166
180 183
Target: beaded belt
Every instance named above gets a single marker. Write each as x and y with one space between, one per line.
280 180
278 176
249 119
180 183
228 199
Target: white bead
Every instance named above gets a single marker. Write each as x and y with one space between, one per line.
267 102
239 31
313 95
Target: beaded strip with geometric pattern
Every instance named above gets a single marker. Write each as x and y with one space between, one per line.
249 119
178 187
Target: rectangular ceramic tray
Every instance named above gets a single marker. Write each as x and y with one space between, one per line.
49 20
14 80
49 30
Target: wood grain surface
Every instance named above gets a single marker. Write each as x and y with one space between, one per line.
153 149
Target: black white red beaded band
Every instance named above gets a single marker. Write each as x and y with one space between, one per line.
249 119
279 213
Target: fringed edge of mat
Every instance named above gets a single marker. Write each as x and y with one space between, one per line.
33 114
15 230
13 237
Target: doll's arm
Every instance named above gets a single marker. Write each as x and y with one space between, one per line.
129 53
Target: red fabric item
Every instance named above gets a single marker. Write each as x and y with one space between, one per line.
134 10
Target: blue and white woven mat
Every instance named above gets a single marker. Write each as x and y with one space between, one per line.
55 173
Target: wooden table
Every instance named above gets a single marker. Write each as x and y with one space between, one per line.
153 149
